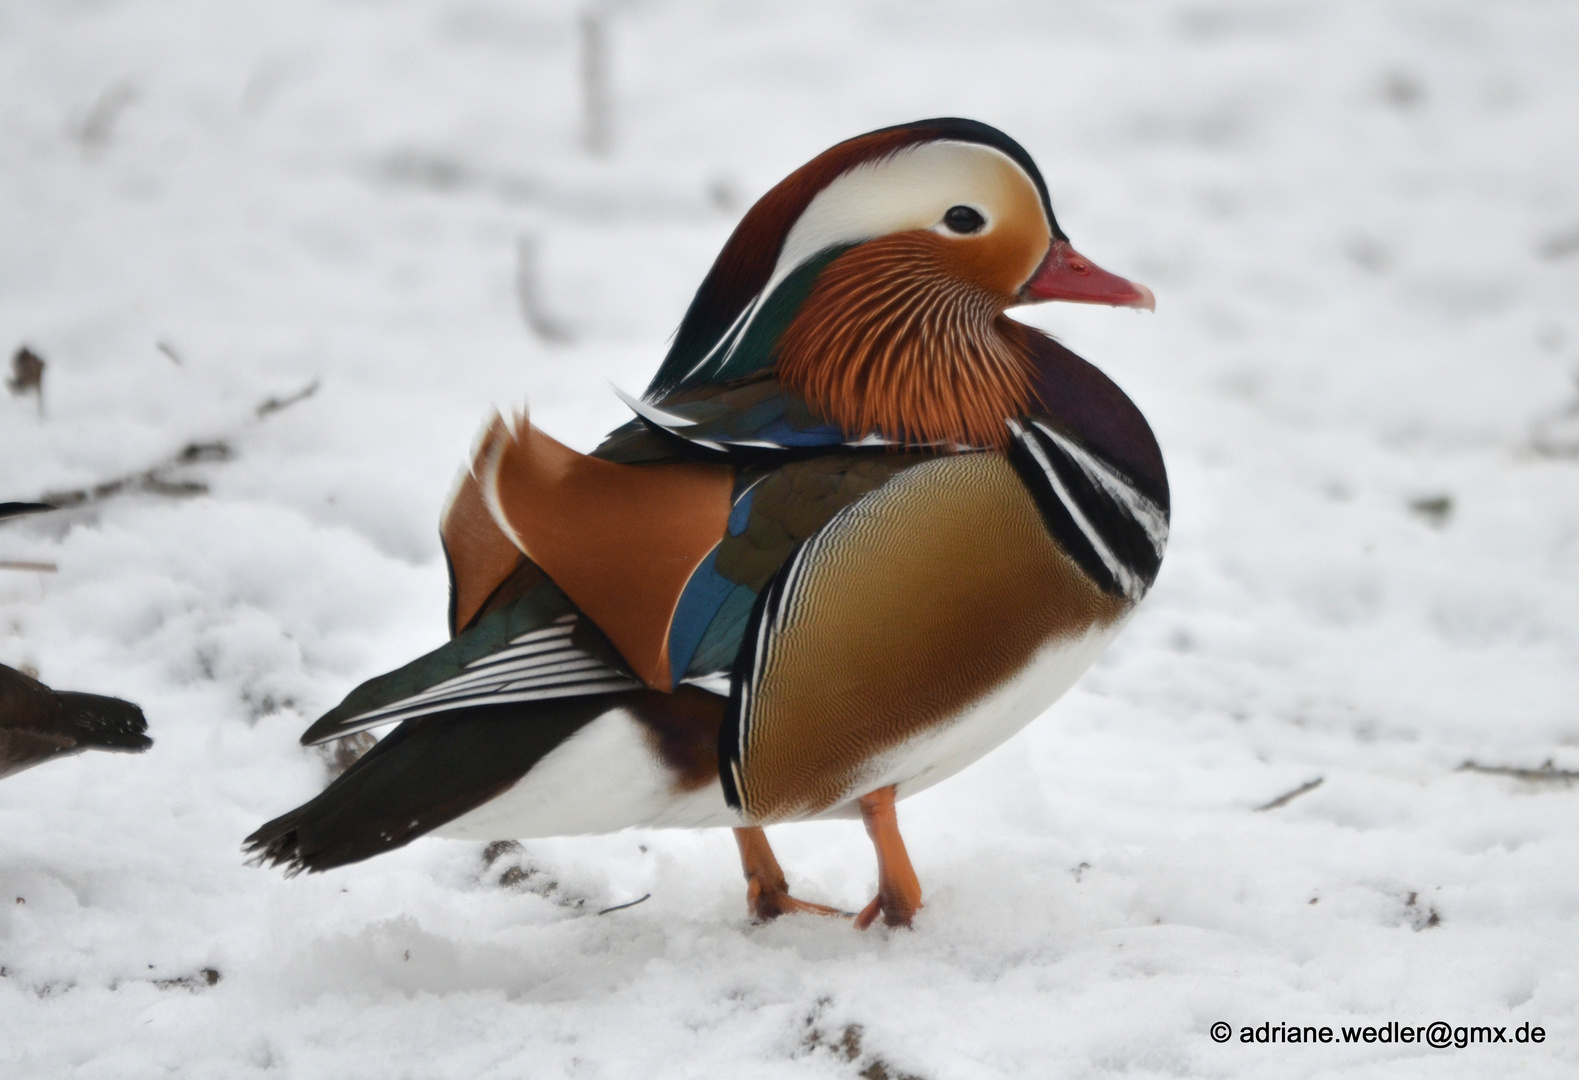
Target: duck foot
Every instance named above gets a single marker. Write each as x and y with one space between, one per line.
898 889
767 893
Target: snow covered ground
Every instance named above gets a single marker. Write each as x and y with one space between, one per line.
1361 220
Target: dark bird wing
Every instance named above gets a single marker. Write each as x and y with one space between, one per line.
17 509
37 723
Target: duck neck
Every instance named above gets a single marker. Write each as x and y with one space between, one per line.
890 342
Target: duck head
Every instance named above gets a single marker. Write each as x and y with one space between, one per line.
874 279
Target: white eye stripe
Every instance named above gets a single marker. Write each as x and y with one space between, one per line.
913 189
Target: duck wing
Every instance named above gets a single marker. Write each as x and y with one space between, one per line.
531 669
531 646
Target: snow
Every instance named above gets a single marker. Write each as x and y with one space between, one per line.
1359 219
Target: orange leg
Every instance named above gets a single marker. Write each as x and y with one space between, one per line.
898 889
767 893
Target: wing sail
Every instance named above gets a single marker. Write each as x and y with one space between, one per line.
479 554
536 665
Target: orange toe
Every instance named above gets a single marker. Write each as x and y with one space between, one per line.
895 912
766 904
785 904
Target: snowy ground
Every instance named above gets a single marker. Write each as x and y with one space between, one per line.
1361 220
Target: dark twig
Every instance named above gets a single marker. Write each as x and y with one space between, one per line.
595 102
498 849
95 128
154 480
1436 510
341 754
199 980
157 479
169 350
1548 773
528 294
279 404
27 375
1557 435
622 907
1290 796
849 1045
1560 245
18 509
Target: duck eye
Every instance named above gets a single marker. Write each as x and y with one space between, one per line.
964 219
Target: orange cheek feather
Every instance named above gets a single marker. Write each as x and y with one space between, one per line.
905 336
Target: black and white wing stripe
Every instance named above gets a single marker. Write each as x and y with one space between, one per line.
539 664
1113 531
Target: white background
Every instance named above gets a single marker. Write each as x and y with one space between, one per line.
1361 220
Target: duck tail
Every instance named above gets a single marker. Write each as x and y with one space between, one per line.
426 772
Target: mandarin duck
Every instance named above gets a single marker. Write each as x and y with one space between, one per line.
37 723
863 528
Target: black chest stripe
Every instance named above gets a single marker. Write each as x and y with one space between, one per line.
1111 530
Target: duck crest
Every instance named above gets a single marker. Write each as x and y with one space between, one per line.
891 341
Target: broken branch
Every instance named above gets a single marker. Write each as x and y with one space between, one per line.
622 907
156 479
1290 796
1548 773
